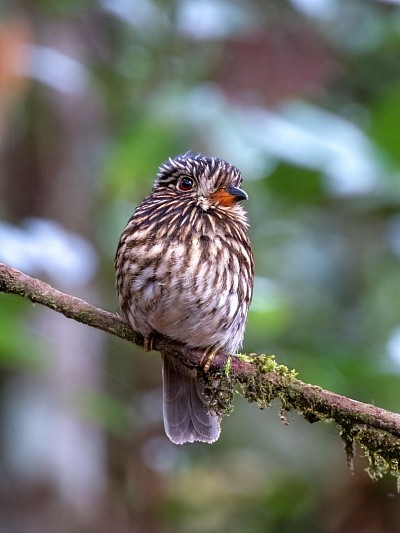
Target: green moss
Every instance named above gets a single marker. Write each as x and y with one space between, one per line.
381 448
220 385
219 389
267 363
347 436
228 366
382 451
262 391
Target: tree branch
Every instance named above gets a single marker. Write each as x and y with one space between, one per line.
261 379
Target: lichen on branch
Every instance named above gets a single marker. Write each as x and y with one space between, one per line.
259 378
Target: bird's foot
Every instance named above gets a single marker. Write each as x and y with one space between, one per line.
208 358
149 340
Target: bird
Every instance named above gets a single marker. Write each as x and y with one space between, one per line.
185 270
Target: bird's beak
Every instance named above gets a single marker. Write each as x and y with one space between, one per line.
228 196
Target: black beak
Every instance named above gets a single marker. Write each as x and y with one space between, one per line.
239 194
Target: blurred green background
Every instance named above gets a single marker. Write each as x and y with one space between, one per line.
304 97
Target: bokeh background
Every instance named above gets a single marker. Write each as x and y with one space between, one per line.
304 97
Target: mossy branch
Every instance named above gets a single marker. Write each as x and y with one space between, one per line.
261 379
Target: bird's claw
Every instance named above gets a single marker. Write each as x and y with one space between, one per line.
148 342
208 358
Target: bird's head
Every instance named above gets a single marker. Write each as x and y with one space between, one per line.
208 181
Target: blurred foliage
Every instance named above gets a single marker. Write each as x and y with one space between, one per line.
17 349
81 142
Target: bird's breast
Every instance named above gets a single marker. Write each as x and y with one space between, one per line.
187 277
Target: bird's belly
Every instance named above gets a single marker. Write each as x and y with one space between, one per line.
211 319
190 297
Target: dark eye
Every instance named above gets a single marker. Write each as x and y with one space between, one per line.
185 184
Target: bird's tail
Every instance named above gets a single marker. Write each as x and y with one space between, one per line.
186 417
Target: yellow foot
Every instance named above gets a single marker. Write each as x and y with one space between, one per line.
208 357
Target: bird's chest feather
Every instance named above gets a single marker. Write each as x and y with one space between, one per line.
187 286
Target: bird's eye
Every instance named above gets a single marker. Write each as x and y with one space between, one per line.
185 184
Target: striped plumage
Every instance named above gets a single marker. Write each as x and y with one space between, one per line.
185 269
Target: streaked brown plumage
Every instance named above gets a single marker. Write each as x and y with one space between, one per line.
184 269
